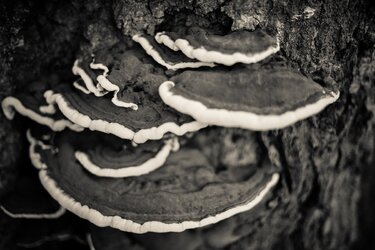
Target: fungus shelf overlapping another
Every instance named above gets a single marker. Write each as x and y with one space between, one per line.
187 192
151 158
31 103
256 98
236 47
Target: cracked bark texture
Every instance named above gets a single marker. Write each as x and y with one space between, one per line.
325 199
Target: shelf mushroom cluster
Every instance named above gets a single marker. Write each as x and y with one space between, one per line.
140 118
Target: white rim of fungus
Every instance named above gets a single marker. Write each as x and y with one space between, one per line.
164 39
101 67
57 214
123 224
204 55
141 136
148 166
81 88
87 80
35 158
11 104
240 119
47 109
157 57
107 85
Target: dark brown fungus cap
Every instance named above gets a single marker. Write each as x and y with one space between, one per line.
187 192
29 200
170 59
235 47
250 97
109 156
150 122
30 102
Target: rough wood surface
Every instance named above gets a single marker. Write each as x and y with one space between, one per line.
326 196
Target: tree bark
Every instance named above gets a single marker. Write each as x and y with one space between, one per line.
325 199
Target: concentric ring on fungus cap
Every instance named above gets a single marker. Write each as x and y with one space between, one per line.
260 99
149 122
236 47
170 199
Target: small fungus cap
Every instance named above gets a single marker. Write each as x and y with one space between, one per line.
170 59
235 47
109 156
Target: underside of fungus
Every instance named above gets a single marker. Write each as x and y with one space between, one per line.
255 98
186 193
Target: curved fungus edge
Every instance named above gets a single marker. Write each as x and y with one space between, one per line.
149 49
123 224
141 136
240 119
11 104
148 166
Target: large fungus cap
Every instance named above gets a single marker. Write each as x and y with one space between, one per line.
187 192
30 200
150 122
170 59
235 47
255 98
31 102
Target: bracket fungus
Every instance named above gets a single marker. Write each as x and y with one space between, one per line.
149 122
30 102
129 161
255 98
235 47
106 155
170 59
138 168
188 192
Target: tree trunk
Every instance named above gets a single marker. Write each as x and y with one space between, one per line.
325 199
